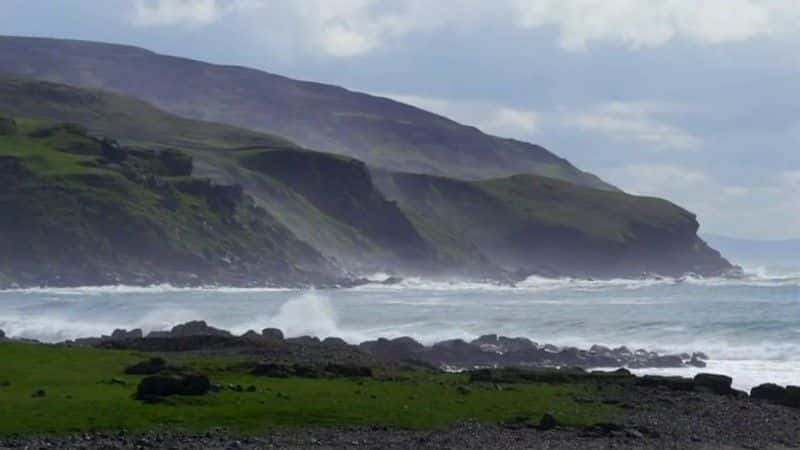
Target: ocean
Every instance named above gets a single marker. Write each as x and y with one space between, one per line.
750 327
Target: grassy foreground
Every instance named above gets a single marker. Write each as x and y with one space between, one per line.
78 395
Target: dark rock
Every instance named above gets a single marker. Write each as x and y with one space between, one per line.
792 397
272 333
334 342
769 391
696 362
120 334
304 340
351 371
547 422
718 384
671 383
7 126
39 393
2 334
112 151
398 349
197 328
151 366
700 355
508 344
273 370
600 349
176 163
251 335
164 386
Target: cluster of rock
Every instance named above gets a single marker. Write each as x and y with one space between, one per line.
500 351
486 351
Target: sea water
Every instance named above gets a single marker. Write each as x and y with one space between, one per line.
749 327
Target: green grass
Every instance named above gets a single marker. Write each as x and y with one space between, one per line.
79 397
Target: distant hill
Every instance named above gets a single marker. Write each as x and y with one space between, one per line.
758 252
381 132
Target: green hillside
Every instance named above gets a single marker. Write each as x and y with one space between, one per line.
381 132
541 225
83 210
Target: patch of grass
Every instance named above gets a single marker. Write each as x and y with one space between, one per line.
79 396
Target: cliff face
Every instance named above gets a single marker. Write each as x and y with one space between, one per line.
80 210
381 132
532 224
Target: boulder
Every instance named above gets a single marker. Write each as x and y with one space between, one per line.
696 362
176 163
251 335
2 334
272 333
397 349
671 383
547 422
151 366
718 384
7 126
197 328
770 392
273 370
164 386
515 344
792 397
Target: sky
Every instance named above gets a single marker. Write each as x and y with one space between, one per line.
694 101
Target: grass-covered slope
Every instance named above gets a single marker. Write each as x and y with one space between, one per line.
338 212
83 210
542 225
379 131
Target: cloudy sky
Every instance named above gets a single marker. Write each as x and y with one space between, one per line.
695 101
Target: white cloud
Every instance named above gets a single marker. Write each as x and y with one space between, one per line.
721 207
346 28
490 117
176 12
638 122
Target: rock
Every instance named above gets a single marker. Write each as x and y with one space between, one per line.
600 349
272 370
120 334
769 392
7 126
671 383
792 397
700 355
197 328
304 340
665 361
151 366
718 384
2 334
164 386
334 342
696 362
176 163
547 422
516 344
251 335
398 349
39 393
272 333
352 371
